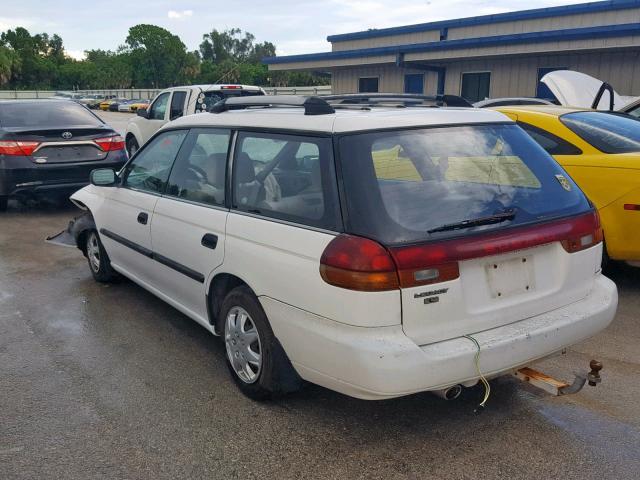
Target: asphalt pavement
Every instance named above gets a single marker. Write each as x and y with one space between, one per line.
108 381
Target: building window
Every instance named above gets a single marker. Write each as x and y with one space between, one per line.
542 91
414 83
368 85
444 32
475 86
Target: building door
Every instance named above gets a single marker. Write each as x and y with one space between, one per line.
542 91
475 86
414 83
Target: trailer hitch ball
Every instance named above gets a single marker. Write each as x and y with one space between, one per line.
594 374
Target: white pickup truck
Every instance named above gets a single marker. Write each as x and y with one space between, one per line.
176 102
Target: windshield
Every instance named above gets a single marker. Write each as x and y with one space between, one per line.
609 132
49 114
399 185
214 96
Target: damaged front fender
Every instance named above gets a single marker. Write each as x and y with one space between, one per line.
73 236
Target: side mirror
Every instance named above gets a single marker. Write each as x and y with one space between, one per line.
103 177
142 112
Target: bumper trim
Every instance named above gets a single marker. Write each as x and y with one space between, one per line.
379 363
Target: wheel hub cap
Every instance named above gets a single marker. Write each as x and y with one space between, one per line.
243 345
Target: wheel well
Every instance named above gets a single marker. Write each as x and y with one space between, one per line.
129 136
220 286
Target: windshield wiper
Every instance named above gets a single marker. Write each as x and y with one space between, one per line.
476 222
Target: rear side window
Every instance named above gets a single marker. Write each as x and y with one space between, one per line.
45 113
199 174
288 177
399 185
177 104
609 132
552 144
150 168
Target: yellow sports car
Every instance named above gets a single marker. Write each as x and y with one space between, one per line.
135 106
105 104
601 152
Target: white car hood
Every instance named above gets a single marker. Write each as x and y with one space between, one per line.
575 89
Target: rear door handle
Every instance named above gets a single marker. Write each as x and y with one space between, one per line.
210 241
143 218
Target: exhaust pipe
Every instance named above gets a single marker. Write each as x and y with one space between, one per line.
449 393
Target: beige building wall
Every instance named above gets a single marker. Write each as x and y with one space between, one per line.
512 77
631 15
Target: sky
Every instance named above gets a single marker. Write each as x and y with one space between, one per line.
293 26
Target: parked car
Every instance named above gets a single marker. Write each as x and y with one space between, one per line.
115 105
501 102
105 104
577 89
601 152
373 251
126 106
95 104
140 104
48 145
175 102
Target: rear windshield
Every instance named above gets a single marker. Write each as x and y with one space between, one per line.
46 114
609 132
401 184
213 97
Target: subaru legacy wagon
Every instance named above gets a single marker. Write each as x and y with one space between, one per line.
374 250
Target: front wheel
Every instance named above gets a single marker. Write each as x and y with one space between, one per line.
3 203
255 358
132 146
99 262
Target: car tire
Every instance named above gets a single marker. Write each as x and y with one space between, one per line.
97 257
256 360
3 203
132 146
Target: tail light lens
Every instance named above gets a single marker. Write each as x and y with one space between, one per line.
110 144
358 263
586 233
18 148
362 264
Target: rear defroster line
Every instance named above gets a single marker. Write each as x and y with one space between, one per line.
487 387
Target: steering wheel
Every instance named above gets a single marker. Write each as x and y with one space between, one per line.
198 173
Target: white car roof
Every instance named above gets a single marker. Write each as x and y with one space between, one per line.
343 120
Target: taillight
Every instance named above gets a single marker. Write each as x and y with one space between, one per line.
361 264
17 148
358 263
109 144
586 233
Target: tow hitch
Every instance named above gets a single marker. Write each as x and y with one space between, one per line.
557 387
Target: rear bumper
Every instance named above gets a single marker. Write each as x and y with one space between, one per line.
379 363
20 175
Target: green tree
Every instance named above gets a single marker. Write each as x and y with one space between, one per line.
159 57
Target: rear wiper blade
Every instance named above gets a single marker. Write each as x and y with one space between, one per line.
476 222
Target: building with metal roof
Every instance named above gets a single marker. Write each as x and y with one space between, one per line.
502 55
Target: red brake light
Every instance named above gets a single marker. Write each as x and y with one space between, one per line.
361 264
109 144
358 263
17 147
231 87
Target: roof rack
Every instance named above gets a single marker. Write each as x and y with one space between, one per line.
312 105
402 99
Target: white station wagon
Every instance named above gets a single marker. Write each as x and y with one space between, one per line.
372 249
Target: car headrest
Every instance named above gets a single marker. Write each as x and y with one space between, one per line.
216 167
244 169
